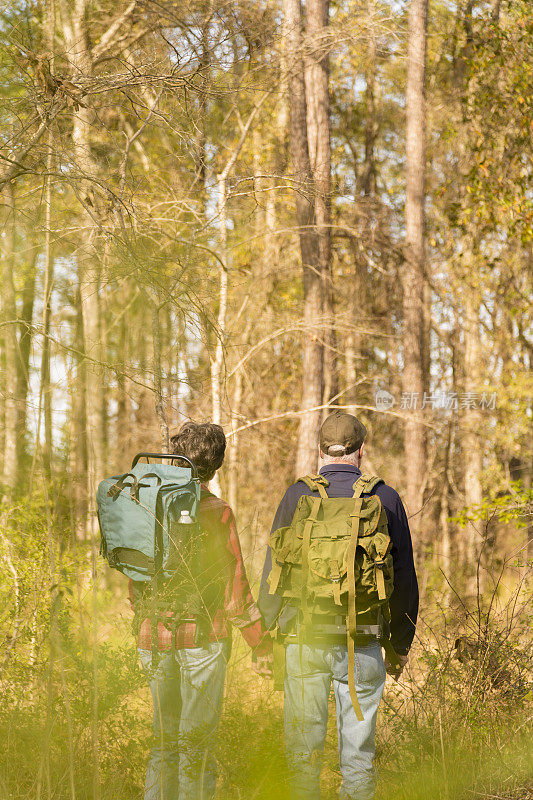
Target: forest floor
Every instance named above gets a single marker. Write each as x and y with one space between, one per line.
443 733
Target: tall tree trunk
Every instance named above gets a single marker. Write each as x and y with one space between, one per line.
78 427
368 178
89 271
46 389
122 437
158 381
103 404
472 455
169 363
201 138
278 167
11 354
46 392
25 340
217 362
443 546
319 138
89 258
233 459
313 354
414 266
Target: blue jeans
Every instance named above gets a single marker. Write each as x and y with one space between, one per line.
187 689
307 686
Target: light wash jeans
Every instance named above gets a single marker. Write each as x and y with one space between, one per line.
187 689
307 686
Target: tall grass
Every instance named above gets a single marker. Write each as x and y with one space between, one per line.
456 726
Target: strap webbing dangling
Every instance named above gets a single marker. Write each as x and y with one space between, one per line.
312 518
351 622
275 575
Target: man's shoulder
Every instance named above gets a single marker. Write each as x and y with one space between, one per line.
296 490
210 504
388 496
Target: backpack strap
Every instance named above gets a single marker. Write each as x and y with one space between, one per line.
364 484
306 541
316 483
351 621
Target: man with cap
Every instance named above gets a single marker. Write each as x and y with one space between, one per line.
313 666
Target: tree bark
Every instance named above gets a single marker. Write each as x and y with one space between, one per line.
78 427
233 454
368 178
217 362
89 257
123 425
46 392
24 348
9 303
313 354
443 545
158 382
319 136
414 266
472 455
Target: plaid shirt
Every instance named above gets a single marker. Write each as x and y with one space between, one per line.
239 607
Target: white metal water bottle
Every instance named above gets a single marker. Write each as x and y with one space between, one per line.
185 518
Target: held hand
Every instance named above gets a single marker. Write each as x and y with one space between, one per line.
396 670
263 665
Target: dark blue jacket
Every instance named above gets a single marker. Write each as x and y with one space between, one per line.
404 600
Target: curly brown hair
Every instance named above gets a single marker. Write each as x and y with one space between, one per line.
203 443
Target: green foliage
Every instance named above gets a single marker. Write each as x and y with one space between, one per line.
75 700
73 697
515 506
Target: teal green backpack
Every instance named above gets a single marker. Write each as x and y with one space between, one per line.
150 533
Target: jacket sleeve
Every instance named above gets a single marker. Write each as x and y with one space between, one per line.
270 604
240 607
404 599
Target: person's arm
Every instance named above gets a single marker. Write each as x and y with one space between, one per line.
240 607
270 604
404 600
135 592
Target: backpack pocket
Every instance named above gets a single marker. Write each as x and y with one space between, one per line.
285 546
376 572
127 528
328 568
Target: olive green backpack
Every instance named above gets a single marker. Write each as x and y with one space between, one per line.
334 559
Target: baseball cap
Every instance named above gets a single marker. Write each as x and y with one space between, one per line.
341 433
